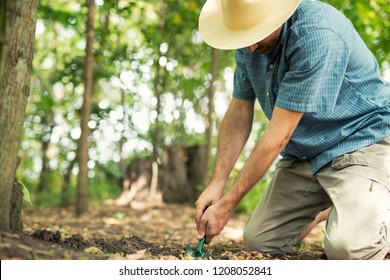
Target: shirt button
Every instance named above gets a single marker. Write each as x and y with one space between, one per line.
271 66
267 93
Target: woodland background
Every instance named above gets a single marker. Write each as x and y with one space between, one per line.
125 100
153 79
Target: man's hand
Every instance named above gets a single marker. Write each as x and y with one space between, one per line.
214 220
211 195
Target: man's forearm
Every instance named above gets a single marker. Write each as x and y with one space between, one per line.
254 169
234 132
264 154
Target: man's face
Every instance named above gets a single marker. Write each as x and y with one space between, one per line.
268 44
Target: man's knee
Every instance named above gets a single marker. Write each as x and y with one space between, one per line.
268 243
340 248
344 246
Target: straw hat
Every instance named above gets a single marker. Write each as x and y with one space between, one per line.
233 24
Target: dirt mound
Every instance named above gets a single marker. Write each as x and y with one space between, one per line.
134 244
46 235
125 246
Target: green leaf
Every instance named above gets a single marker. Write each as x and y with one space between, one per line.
26 193
298 246
119 215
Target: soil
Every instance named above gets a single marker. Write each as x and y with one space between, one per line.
147 232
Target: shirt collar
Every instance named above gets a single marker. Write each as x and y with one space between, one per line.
283 38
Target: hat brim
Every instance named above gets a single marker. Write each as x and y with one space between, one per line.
214 32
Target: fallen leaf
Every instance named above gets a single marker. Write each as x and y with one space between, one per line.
93 250
137 256
168 258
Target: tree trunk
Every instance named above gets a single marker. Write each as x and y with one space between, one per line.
156 135
182 172
210 119
159 86
16 207
136 183
17 31
45 171
82 179
66 185
122 140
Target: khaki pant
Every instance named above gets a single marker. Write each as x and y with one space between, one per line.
356 186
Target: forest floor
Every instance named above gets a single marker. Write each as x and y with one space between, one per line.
109 232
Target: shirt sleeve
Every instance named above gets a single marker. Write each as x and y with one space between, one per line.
242 86
317 65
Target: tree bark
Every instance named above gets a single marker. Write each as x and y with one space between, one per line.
17 32
82 179
16 207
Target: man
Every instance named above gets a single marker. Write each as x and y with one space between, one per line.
329 112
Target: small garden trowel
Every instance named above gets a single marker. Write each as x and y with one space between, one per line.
198 253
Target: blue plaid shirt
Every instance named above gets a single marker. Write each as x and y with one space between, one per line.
323 68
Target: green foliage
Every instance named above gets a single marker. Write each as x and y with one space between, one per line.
51 195
299 245
119 215
26 194
102 188
372 21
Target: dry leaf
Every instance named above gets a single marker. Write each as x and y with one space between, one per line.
168 258
93 250
137 256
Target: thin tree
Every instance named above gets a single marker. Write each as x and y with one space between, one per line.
159 84
17 31
210 119
82 179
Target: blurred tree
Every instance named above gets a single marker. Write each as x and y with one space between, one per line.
17 30
127 115
82 151
45 139
210 118
52 126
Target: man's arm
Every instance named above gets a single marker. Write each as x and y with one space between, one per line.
234 132
271 143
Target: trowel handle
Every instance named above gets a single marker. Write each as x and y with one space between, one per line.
200 245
